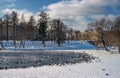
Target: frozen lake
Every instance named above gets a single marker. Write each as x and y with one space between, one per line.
35 58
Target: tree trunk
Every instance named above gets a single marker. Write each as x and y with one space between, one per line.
104 44
14 30
1 33
2 47
22 44
58 43
119 50
43 42
58 34
54 37
7 30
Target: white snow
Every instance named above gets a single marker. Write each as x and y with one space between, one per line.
72 45
109 64
108 67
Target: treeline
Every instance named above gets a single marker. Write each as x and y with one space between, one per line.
108 32
15 29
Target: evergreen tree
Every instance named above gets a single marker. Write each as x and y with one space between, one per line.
42 24
1 33
6 23
31 28
14 24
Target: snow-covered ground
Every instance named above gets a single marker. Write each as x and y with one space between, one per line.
108 67
72 45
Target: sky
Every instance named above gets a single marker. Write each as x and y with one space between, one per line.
74 13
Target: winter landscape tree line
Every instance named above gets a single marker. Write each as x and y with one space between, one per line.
12 28
108 32
47 29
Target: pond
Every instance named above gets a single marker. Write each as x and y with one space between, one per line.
23 59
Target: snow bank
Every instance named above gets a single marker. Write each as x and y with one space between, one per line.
108 67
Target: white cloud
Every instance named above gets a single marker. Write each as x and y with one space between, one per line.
26 13
76 7
74 11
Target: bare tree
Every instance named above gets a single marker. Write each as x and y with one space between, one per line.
77 34
22 32
117 33
100 27
59 29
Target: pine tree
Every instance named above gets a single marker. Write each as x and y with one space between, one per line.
31 28
6 23
14 24
1 33
42 24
